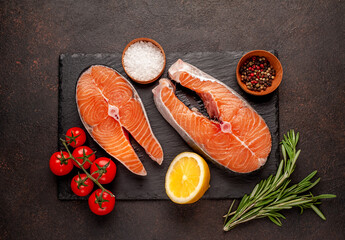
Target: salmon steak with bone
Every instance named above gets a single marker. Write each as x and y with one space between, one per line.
236 137
109 108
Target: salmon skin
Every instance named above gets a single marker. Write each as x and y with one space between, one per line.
109 106
235 137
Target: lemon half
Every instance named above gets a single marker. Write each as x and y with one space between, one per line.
187 178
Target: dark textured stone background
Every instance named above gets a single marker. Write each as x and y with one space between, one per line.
309 36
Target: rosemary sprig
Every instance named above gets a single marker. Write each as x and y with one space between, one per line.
85 159
273 194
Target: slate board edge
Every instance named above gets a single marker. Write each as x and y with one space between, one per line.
59 130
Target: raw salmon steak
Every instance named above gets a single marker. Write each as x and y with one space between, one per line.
109 106
235 137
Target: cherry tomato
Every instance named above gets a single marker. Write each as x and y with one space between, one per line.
82 152
106 168
60 164
85 185
75 136
101 205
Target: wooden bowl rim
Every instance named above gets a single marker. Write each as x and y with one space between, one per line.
276 81
144 40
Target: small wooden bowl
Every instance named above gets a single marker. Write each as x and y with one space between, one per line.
144 40
275 63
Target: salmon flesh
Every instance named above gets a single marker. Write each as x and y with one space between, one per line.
109 106
235 137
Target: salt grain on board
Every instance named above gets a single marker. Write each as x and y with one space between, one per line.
143 61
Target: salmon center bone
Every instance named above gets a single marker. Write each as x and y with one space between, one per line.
113 112
225 127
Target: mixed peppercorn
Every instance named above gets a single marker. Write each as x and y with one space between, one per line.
257 73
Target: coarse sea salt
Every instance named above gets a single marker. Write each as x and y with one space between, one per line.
143 61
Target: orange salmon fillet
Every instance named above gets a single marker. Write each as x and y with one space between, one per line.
109 106
238 138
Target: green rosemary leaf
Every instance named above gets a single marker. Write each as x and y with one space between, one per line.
251 213
286 199
263 203
301 209
278 207
322 196
296 156
277 214
279 172
284 154
229 212
309 177
254 191
243 201
297 138
297 188
282 189
310 186
296 202
275 221
260 189
318 212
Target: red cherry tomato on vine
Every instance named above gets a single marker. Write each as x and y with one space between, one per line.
85 185
101 204
106 168
60 164
80 153
75 136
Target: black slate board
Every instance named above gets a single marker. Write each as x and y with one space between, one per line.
127 186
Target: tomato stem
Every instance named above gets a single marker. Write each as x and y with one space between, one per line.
82 167
100 200
72 139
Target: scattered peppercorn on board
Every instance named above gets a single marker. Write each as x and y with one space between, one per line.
127 186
